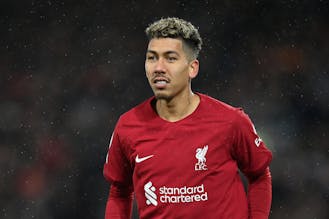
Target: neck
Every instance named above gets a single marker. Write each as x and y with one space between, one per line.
177 108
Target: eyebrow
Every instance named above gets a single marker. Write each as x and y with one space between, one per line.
166 53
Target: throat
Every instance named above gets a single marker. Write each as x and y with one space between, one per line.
174 111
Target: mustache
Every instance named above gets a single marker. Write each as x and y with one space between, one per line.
160 78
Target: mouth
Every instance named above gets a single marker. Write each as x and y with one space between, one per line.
160 82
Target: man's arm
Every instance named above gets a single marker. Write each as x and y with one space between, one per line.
119 203
260 195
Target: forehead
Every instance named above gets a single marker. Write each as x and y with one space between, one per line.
161 45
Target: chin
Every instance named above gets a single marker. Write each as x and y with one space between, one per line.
161 96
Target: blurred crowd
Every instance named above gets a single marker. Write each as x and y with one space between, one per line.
70 68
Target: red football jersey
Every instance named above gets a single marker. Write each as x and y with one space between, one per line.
188 168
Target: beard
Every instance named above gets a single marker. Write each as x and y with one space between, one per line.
162 96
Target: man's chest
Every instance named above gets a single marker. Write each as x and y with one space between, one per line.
179 151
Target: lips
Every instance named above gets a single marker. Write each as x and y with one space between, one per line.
160 82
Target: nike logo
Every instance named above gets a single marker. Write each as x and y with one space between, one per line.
141 159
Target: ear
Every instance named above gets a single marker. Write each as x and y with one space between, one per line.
194 68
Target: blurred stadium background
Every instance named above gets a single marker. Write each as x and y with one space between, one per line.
70 68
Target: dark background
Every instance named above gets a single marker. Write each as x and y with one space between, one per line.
70 68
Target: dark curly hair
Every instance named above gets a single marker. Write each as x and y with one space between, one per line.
177 28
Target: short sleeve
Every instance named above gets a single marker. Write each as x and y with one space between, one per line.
250 152
117 168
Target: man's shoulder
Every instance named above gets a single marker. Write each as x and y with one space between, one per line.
222 110
216 105
138 112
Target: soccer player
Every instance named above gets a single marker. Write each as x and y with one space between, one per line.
180 152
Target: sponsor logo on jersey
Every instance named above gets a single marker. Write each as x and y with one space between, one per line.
141 159
200 155
175 195
151 197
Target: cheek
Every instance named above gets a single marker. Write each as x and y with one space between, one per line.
183 74
148 75
147 70
145 67
148 66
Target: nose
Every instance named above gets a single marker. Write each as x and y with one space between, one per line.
160 66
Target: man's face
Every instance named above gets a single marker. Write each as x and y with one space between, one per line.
167 68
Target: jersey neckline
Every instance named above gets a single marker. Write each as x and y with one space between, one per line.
156 115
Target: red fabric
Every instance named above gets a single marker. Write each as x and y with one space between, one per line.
119 204
173 182
260 195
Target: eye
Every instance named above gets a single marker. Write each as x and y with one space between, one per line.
150 57
172 58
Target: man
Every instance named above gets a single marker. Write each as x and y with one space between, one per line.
180 152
